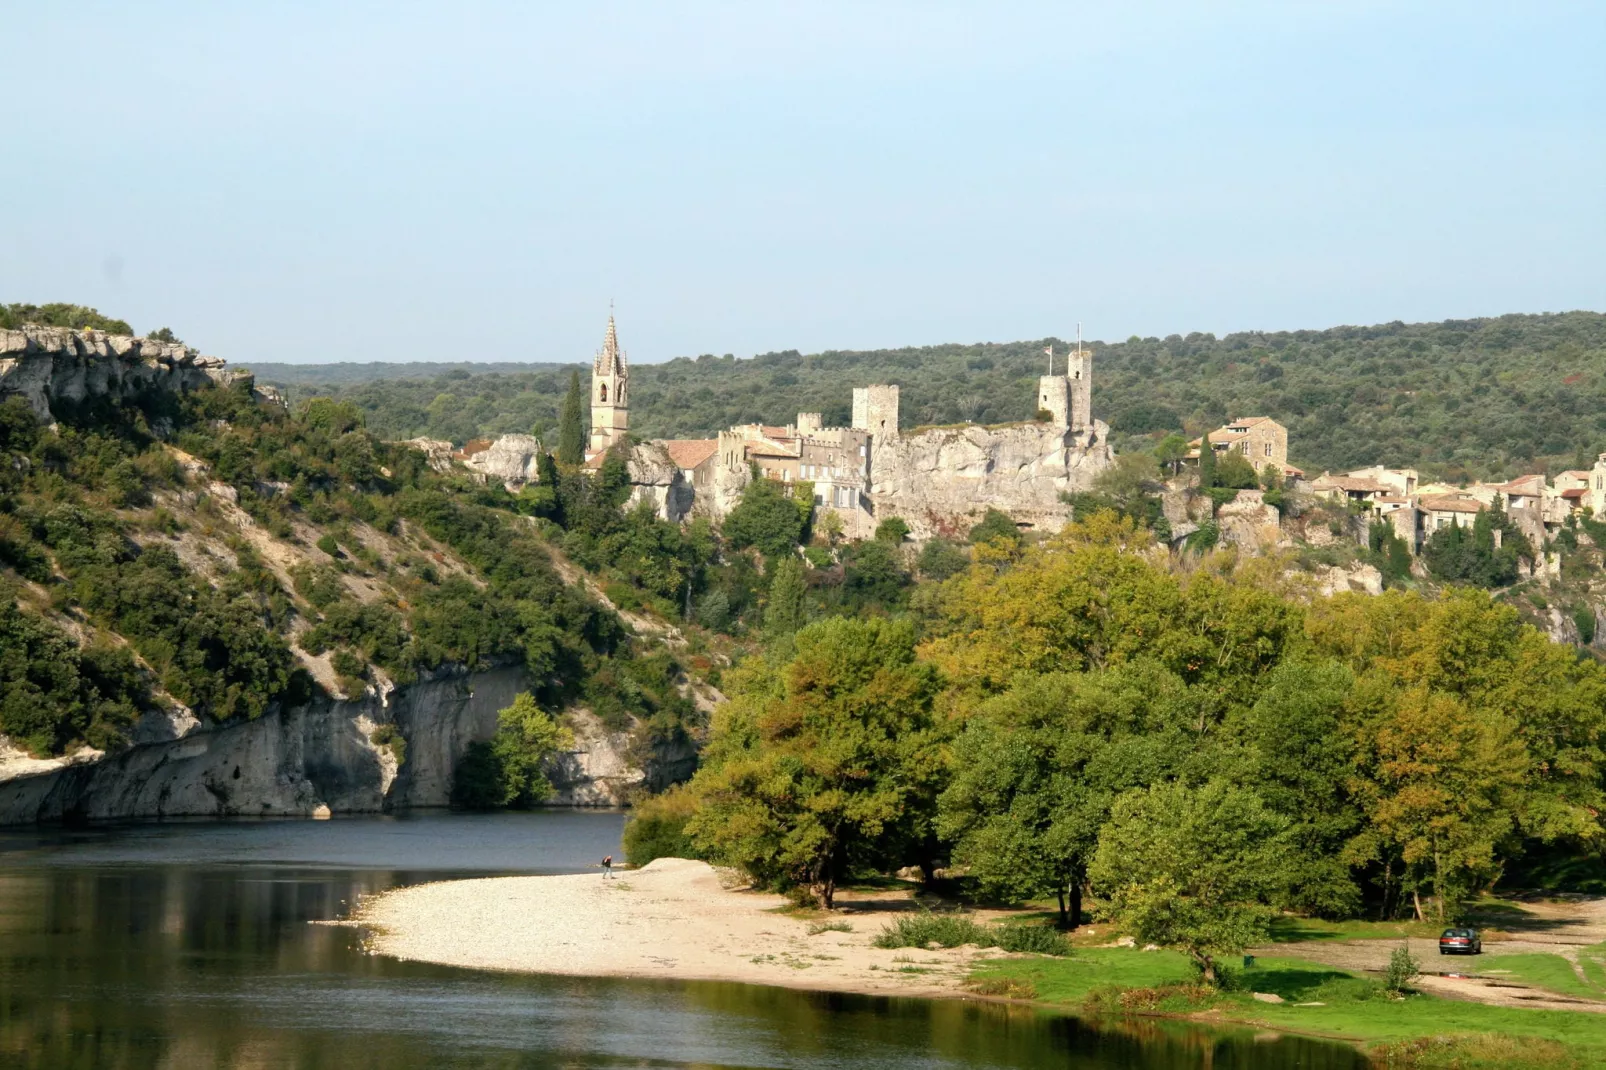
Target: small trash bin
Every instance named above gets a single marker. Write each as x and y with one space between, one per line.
1249 960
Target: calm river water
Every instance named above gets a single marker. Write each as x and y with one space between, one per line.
187 945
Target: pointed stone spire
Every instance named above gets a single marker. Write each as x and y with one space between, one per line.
610 358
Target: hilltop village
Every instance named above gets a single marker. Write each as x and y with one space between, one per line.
941 480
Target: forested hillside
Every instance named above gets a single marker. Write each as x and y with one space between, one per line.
1463 398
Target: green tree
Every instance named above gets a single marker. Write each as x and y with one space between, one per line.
1170 453
509 770
1191 868
1234 471
1207 464
995 525
765 519
783 612
813 769
893 529
1036 769
940 559
571 424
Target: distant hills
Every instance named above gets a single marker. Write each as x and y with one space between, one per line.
1469 399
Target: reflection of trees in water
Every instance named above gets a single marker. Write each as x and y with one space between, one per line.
146 967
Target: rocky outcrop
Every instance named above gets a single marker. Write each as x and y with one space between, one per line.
324 755
437 452
515 460
1249 523
49 366
941 481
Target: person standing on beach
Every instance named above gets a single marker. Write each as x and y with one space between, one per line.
607 867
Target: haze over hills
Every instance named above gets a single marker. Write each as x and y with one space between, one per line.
1474 398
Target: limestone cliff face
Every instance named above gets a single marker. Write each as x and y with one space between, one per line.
51 364
943 480
295 762
514 460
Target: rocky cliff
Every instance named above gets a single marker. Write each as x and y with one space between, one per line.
49 365
514 460
322 758
941 481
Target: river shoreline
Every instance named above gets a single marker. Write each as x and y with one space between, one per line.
670 920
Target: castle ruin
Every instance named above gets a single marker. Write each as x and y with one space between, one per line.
939 480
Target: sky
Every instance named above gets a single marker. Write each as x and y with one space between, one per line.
313 182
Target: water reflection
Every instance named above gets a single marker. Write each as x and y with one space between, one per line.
189 946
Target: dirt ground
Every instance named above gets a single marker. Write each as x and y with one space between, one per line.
1547 927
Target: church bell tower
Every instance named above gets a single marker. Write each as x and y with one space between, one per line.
610 393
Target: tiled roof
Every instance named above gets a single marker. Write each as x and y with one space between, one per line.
1351 485
771 449
1575 492
691 452
1448 504
1530 485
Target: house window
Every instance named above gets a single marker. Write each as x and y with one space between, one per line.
1268 449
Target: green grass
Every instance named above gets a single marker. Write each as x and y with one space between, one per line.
1485 913
1355 1008
1550 972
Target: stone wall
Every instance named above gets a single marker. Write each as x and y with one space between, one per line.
45 365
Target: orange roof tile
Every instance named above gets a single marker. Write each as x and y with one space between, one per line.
691 452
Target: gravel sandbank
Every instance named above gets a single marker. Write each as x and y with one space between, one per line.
671 919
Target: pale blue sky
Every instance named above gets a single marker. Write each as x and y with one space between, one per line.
475 181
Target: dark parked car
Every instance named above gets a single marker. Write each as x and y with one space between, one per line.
1460 942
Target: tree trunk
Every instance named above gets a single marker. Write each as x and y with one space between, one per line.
1209 969
1076 903
827 891
1416 898
1438 881
1065 922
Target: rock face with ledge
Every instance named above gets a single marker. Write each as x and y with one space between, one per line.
49 365
941 481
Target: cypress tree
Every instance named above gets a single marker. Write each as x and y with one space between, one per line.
783 614
1207 463
571 428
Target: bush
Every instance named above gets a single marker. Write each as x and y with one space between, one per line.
893 529
1031 939
508 770
657 828
923 930
1402 970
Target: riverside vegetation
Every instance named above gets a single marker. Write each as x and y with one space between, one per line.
1187 746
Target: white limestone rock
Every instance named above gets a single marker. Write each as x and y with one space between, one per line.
943 480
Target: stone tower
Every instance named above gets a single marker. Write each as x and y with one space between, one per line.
610 393
1080 373
1054 397
875 409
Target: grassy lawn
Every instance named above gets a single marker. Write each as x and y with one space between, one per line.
1542 971
1353 1007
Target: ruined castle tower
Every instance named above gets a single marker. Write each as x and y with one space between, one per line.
610 393
1080 373
875 409
1068 398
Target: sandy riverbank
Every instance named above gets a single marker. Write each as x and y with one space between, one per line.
671 920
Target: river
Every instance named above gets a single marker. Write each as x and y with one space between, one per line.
189 945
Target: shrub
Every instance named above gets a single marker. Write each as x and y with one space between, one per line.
1031 939
657 828
328 545
1402 970
829 927
923 930
893 529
